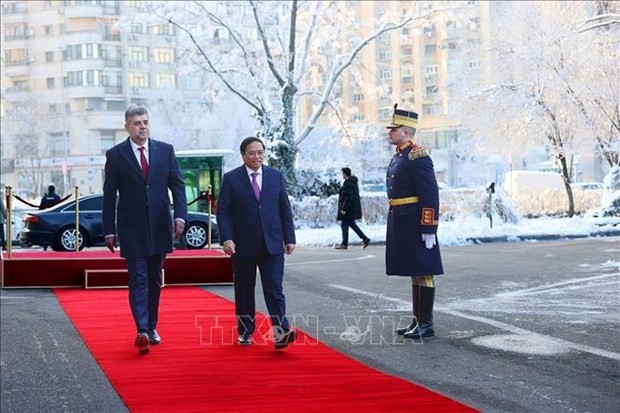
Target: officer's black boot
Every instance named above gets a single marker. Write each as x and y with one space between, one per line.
415 299
424 328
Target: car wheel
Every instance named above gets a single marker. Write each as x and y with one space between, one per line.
196 236
65 240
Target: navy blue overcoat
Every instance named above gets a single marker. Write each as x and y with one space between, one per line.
411 174
142 218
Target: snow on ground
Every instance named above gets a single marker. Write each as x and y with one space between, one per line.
464 231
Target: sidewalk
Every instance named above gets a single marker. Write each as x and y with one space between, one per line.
476 231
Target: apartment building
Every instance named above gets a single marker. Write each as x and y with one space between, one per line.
68 74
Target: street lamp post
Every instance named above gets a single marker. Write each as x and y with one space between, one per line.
65 174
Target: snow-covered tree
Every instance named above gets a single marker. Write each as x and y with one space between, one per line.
547 82
27 128
264 52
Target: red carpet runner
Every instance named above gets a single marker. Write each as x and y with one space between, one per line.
197 368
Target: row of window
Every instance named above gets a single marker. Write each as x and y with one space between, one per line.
160 55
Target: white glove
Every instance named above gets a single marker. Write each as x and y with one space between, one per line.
429 240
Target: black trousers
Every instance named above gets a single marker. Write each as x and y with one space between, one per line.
345 225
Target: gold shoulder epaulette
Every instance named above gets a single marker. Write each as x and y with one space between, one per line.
417 152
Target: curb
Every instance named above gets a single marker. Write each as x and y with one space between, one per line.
543 237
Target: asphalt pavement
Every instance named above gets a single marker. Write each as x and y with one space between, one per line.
521 327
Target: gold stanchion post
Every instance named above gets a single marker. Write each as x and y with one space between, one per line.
77 218
8 191
210 209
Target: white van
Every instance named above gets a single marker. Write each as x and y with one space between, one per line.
519 181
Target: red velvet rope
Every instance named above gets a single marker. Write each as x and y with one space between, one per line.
204 195
33 205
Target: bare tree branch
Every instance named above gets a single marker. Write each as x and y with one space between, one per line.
212 67
266 48
337 71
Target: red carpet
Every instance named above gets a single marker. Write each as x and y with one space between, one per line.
198 369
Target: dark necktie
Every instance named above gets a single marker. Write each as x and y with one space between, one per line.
255 185
143 163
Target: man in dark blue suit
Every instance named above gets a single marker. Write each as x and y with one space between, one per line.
256 226
411 248
138 173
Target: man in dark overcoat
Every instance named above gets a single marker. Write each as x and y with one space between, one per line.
139 172
411 242
349 209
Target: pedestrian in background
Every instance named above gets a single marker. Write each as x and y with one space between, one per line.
50 199
255 221
349 209
138 173
411 248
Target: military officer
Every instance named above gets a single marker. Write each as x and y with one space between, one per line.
411 242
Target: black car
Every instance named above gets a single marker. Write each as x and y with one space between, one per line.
55 227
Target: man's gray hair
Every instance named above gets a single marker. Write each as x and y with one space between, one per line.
135 111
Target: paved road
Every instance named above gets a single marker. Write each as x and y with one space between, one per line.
521 327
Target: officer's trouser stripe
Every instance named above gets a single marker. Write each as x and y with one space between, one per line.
423 280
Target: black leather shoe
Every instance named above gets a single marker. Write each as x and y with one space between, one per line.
244 340
341 247
154 337
422 330
366 242
401 331
142 342
283 340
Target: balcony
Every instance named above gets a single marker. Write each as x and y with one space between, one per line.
82 11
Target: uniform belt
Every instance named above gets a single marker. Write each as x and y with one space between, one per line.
404 201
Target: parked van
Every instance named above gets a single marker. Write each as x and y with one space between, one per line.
519 181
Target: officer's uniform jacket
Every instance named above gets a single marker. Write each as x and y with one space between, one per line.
411 174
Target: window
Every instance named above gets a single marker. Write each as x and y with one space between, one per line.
406 51
138 54
49 30
385 114
430 48
138 79
430 109
430 70
49 57
474 64
51 109
50 83
106 139
163 29
385 74
84 78
358 97
164 55
165 80
406 73
137 28
384 54
431 89
220 34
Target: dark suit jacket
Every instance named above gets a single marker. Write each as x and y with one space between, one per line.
142 218
246 221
